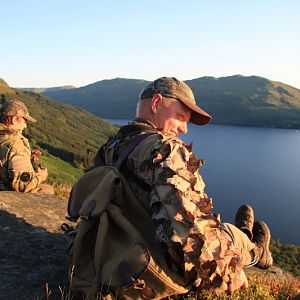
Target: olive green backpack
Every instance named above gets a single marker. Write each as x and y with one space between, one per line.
112 252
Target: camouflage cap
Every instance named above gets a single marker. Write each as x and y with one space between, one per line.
174 88
16 108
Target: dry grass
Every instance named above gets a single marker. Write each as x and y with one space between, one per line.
262 286
62 190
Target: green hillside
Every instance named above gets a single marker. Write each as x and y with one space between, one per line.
59 170
115 98
233 100
251 101
64 131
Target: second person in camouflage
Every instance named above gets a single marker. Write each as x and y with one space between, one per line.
16 170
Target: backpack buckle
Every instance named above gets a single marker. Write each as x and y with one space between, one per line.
68 230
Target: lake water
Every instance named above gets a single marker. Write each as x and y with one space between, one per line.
258 166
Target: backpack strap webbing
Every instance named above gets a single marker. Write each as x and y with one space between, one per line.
138 133
125 150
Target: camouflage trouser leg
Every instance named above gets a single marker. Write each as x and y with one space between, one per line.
241 242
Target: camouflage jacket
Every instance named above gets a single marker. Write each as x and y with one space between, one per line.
163 173
16 170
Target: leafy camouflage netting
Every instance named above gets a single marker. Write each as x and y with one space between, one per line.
186 225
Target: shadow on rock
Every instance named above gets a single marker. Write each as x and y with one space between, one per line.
30 257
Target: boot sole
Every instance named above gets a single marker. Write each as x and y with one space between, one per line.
267 254
239 215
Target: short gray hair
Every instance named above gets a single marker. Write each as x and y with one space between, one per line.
141 104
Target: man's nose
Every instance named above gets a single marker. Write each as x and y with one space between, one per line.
183 128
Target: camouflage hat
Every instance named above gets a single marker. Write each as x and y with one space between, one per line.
16 108
173 88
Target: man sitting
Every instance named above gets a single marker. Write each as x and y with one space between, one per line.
16 170
163 173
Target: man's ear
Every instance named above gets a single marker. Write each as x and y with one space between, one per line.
155 101
14 120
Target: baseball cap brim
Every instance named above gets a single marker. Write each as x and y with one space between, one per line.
30 119
198 116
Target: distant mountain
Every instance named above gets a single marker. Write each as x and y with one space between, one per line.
249 101
114 98
65 131
45 90
232 100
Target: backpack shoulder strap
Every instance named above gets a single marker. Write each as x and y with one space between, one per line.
128 148
135 134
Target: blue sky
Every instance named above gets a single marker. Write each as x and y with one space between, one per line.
63 42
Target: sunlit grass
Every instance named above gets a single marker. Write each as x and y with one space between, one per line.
61 175
262 286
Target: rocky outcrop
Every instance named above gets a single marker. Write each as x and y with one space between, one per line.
32 246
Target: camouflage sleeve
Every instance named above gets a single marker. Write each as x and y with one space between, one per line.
21 174
183 214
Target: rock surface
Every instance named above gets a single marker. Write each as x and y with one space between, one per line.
32 246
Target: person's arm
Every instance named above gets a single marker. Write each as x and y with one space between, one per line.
22 176
183 215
